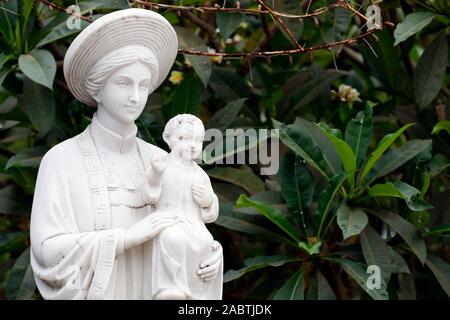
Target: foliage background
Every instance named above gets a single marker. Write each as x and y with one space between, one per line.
395 215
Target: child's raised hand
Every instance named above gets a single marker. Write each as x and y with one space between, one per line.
158 163
201 195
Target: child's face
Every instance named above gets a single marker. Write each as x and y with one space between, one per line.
187 141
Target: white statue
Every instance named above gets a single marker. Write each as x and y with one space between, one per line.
179 187
94 221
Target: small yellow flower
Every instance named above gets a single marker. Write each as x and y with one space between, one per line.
176 77
346 94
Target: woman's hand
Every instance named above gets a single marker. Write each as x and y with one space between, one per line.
209 269
148 228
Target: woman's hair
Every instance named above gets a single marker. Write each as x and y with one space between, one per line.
118 59
177 121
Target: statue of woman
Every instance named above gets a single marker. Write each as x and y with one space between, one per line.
92 222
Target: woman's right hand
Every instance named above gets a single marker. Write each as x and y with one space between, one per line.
148 228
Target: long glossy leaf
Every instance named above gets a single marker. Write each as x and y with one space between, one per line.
443 125
190 41
359 133
376 251
39 104
256 263
248 223
40 66
27 158
430 72
358 273
323 142
441 270
346 154
21 284
186 98
228 22
301 143
296 184
225 116
319 288
293 289
246 179
443 229
270 213
384 144
351 220
326 199
401 190
413 23
396 158
406 230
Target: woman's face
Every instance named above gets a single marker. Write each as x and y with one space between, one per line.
125 92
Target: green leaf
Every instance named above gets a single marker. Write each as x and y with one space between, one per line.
248 223
293 289
9 240
311 249
441 270
358 273
396 158
227 84
27 158
376 251
40 66
443 229
296 184
319 288
413 23
397 263
308 91
359 133
301 143
294 26
384 144
223 118
323 142
336 25
188 40
351 220
346 154
20 284
438 164
441 125
186 98
406 230
326 198
255 264
430 72
270 213
401 190
61 31
228 22
244 178
39 104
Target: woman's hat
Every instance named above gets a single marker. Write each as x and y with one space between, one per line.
113 31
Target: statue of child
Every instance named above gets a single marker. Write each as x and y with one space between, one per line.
180 188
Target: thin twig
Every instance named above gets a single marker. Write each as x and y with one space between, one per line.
59 8
266 54
277 18
156 6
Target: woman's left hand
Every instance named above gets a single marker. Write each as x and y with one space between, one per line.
209 269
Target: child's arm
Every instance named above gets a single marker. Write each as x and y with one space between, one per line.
153 182
204 195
